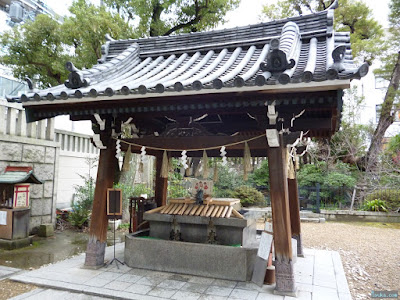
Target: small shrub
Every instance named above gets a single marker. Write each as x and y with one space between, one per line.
375 205
248 196
390 196
79 216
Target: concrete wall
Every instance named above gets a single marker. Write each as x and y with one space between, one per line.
31 145
77 158
365 216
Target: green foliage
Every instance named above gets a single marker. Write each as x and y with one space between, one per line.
158 17
86 31
40 49
79 216
354 16
36 48
85 193
260 176
340 176
393 150
131 190
228 180
248 196
375 205
391 197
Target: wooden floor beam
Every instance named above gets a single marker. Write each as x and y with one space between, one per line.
98 225
284 272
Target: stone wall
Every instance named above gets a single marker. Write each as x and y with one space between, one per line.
31 145
42 156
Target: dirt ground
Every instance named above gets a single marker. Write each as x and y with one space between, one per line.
370 253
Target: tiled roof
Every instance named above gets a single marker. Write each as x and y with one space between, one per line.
14 175
290 51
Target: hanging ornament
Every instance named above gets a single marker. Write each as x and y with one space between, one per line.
127 159
118 149
183 159
215 177
204 162
164 165
223 153
197 171
142 159
246 161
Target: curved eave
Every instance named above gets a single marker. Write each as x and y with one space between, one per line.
19 177
267 89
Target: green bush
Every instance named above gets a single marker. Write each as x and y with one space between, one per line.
85 193
248 196
390 196
375 205
79 216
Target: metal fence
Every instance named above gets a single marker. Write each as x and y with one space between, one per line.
319 197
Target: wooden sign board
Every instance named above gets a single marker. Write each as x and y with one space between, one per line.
21 195
114 203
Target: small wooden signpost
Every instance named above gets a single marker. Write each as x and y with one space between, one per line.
114 203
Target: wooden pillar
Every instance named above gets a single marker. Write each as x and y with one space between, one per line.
284 267
98 226
161 183
294 207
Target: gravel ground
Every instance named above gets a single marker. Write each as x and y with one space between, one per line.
370 253
9 289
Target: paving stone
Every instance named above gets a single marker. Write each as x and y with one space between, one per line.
185 295
194 287
224 283
265 296
212 297
139 272
301 295
218 291
129 278
161 292
109 275
247 286
179 277
139 289
204 280
97 282
28 294
172 284
151 281
117 285
243 294
345 296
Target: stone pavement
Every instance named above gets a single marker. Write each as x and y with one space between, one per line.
7 271
319 275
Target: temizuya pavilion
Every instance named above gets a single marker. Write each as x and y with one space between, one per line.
208 89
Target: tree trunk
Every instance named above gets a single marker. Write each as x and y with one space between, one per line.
386 119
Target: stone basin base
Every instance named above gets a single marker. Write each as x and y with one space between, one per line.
216 261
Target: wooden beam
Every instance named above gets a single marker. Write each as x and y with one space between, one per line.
285 283
98 225
294 207
160 192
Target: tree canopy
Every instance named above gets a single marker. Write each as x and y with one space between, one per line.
354 16
164 17
40 49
